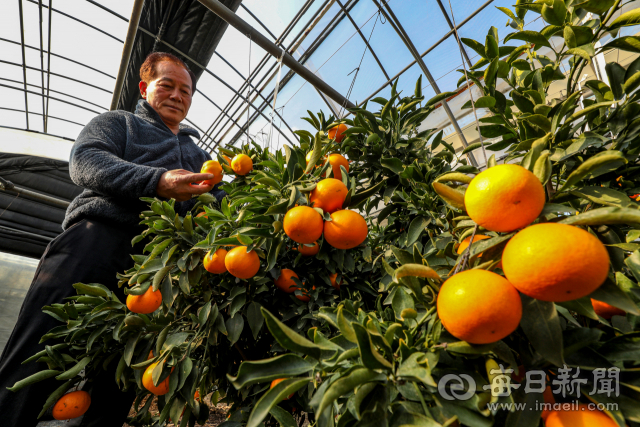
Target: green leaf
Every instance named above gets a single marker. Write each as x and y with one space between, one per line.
603 216
529 36
260 371
603 196
523 103
317 153
478 47
92 289
55 396
627 19
370 357
234 326
541 325
579 52
284 418
632 77
605 160
613 295
401 300
416 368
346 385
32 379
70 373
255 318
393 164
365 194
485 102
439 97
450 195
628 43
288 338
542 168
416 228
615 74
491 47
271 398
599 7
625 347
554 14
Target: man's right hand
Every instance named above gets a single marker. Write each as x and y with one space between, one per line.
181 184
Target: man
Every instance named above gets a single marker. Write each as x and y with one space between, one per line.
118 158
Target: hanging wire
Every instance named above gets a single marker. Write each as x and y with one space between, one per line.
486 163
357 69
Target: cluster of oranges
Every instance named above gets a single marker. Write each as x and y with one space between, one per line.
241 164
547 261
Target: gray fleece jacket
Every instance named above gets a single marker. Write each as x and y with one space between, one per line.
119 157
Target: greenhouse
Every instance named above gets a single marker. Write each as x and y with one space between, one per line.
330 213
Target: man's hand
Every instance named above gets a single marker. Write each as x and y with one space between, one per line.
181 184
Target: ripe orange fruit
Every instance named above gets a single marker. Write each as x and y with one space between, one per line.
581 416
605 310
72 405
329 195
285 282
479 306
242 164
308 158
548 398
336 132
146 303
309 250
242 264
332 279
147 381
465 243
555 262
150 355
335 160
273 384
504 198
303 224
227 159
214 262
346 230
214 168
304 297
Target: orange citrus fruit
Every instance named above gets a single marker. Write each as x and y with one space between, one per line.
285 282
479 306
309 250
548 398
605 310
304 297
581 416
465 243
214 168
308 158
332 279
214 262
242 164
147 381
146 303
555 262
273 384
335 160
504 198
72 405
328 195
346 230
227 159
336 132
242 264
303 224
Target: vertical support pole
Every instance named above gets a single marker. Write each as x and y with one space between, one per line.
46 121
44 117
126 51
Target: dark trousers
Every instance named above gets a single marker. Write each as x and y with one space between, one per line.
90 251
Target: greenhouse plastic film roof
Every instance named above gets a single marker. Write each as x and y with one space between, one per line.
60 60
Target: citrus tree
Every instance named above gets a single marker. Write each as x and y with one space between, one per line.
352 277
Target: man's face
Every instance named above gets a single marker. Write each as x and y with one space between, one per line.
169 93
